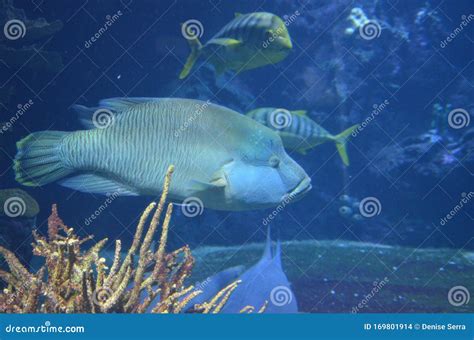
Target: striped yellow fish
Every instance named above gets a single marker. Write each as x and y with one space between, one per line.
247 42
227 160
298 131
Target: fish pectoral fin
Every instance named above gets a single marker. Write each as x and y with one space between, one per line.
219 67
228 42
216 184
299 112
85 115
302 151
96 184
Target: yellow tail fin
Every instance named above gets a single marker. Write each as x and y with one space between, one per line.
196 46
341 140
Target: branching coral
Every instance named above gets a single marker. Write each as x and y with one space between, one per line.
77 281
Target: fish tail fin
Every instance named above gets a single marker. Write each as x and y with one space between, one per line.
38 159
196 46
341 141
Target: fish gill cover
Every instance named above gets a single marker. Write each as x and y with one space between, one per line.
340 128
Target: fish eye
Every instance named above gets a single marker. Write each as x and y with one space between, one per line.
274 161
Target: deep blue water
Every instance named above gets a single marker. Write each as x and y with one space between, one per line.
414 164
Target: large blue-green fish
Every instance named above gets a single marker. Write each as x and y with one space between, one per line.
248 41
227 160
299 132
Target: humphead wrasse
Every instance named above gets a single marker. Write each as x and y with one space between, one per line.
248 41
227 160
299 132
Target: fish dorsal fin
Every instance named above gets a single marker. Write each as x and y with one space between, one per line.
237 14
96 184
120 104
277 256
267 252
299 112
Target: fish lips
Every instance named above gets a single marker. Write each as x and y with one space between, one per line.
299 191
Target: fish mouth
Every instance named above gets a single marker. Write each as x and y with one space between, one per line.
299 191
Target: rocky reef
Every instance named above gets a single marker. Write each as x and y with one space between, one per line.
74 280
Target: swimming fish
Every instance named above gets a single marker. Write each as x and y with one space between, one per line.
265 282
223 159
299 132
248 41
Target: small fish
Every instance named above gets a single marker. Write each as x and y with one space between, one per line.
248 41
299 132
265 282
223 159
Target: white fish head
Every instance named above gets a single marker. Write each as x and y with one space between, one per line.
265 177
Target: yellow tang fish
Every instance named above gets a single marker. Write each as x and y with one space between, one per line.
299 132
247 42
131 142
